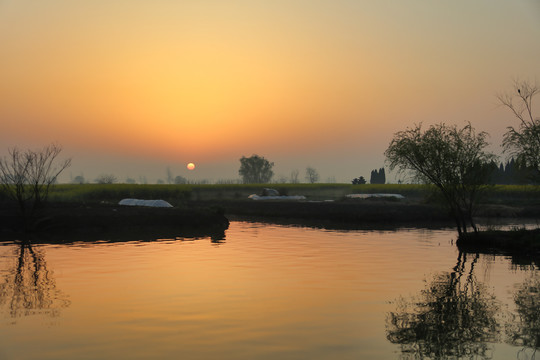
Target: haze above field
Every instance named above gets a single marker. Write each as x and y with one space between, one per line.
131 87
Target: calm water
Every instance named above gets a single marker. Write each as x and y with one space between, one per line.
267 292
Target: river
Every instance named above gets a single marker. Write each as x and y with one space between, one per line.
267 292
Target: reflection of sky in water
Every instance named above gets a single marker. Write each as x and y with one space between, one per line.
265 292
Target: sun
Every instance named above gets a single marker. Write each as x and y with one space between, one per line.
191 166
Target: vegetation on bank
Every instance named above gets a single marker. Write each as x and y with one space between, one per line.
420 206
180 194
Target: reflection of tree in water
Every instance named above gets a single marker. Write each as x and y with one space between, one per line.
524 330
29 288
453 317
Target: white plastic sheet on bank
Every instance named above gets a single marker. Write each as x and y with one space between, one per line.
282 197
365 196
151 203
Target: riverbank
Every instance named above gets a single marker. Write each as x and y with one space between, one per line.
368 213
360 214
520 244
93 208
65 222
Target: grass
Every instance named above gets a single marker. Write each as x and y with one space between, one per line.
179 194
92 193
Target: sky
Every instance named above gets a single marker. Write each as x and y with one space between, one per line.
131 87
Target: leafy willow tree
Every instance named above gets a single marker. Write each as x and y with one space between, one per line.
451 159
27 176
255 170
523 141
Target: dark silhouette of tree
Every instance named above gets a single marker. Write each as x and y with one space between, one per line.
359 181
79 179
451 159
454 317
294 176
523 141
29 288
512 173
378 177
255 170
106 179
27 176
312 175
180 180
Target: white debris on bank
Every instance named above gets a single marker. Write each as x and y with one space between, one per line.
366 196
278 197
151 203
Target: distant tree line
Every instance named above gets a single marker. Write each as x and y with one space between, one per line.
378 176
513 173
510 173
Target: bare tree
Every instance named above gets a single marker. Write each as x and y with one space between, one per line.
27 175
294 176
523 141
282 179
312 175
106 179
170 177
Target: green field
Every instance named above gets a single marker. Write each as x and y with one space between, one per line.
180 194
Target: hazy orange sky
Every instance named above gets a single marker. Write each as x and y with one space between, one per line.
131 87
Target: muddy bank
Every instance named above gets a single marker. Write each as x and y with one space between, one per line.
335 214
211 217
368 213
66 222
522 246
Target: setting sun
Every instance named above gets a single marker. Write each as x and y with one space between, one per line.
191 166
